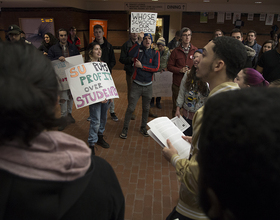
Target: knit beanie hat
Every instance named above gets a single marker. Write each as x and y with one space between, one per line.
148 34
199 51
161 41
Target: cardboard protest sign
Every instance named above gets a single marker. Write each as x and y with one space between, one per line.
91 83
143 22
162 84
60 67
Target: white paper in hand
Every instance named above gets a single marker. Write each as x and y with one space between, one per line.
163 128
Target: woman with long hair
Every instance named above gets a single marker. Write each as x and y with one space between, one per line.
250 77
267 45
97 111
49 40
192 94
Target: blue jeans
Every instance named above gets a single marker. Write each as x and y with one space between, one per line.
136 91
98 118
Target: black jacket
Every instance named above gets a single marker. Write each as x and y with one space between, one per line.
126 59
56 51
96 195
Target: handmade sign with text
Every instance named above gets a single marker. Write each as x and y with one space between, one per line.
143 22
91 83
60 67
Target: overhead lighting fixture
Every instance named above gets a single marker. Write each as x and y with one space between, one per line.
206 0
154 0
258 2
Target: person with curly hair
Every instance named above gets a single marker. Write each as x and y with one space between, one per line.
49 40
192 94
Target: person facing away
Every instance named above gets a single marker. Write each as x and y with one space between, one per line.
180 61
239 155
60 51
97 111
46 174
223 58
108 56
146 63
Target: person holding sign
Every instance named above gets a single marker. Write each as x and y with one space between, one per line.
58 52
108 56
46 174
146 63
97 111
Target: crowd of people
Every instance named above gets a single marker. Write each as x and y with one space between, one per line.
233 168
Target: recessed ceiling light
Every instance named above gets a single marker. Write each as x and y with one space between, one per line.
206 0
258 2
154 0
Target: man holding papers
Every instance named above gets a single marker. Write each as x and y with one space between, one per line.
146 63
222 59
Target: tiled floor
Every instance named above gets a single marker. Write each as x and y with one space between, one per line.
148 181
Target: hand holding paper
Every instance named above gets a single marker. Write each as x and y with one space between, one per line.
163 129
169 151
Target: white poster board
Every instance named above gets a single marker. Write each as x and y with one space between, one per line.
236 16
143 22
250 17
91 83
60 67
162 84
221 18
269 19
